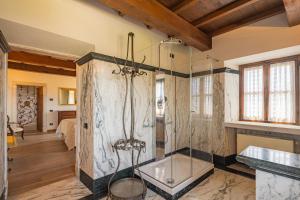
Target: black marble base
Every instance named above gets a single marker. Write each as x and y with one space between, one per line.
2 197
224 160
235 171
179 194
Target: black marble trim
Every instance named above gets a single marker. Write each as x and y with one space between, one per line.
180 193
2 197
93 55
86 180
216 71
3 43
106 58
271 167
224 161
234 171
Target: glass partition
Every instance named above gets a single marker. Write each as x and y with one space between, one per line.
202 106
171 141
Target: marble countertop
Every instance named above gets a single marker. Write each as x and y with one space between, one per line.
277 128
273 161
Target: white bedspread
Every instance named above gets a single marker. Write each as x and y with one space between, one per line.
67 130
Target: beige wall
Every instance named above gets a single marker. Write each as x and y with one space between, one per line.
51 83
243 141
87 21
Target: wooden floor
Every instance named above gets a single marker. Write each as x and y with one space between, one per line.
39 163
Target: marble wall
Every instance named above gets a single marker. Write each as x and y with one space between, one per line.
85 118
275 187
225 109
208 132
183 125
218 136
203 118
177 110
3 154
102 98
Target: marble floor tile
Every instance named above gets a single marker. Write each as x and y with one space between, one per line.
68 189
221 185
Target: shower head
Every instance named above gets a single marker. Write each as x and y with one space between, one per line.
171 41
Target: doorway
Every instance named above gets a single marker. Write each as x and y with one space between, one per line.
30 108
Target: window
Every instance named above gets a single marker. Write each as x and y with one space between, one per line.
270 91
253 93
282 92
208 96
196 95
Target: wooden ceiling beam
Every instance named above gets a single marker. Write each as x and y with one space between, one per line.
222 12
250 20
40 69
37 59
183 5
292 8
154 14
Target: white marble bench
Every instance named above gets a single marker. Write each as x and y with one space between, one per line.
277 172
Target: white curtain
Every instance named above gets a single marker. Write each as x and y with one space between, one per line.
208 96
196 95
253 93
282 92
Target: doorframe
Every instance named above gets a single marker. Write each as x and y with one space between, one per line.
13 108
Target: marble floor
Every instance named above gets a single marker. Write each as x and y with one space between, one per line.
221 185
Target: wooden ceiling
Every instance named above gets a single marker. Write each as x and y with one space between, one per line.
197 21
26 61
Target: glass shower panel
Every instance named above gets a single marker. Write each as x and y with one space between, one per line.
202 106
171 109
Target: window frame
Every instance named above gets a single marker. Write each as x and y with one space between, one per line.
266 85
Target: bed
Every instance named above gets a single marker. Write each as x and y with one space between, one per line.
67 128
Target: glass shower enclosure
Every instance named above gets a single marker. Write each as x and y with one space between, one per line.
178 154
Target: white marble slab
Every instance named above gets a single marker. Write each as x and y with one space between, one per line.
85 107
108 94
275 187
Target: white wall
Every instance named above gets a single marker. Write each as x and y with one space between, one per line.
51 84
